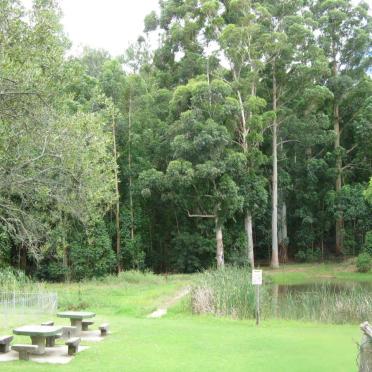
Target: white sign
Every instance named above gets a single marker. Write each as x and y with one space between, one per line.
257 277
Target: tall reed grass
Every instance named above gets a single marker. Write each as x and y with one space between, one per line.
13 280
325 303
228 292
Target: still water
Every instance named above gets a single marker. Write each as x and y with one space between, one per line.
334 302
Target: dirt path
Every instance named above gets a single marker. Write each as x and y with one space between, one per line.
161 311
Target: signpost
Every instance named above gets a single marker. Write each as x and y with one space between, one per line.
257 282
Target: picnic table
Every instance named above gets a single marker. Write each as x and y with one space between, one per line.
76 317
38 335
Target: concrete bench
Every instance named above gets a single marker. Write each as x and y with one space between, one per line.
5 343
50 341
68 332
104 328
86 324
24 350
73 345
49 323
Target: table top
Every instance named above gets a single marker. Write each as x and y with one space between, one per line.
37 330
76 314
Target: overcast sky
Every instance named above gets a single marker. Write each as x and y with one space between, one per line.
106 24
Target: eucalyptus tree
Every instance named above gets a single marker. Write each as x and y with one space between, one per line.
241 43
183 26
293 63
344 33
197 179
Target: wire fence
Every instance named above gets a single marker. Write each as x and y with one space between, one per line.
17 308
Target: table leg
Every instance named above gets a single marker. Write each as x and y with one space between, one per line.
78 323
40 342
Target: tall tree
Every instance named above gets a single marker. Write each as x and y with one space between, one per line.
241 43
344 35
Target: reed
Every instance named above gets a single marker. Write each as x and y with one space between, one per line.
228 292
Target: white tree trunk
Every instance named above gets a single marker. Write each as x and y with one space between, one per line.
219 245
130 168
274 220
117 194
282 233
340 218
249 233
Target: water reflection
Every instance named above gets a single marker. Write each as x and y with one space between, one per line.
334 302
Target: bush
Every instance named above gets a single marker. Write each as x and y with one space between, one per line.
368 243
308 255
94 257
364 262
15 280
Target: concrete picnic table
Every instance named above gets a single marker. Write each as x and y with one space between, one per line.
38 334
76 317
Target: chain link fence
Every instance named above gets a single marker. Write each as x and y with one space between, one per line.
18 308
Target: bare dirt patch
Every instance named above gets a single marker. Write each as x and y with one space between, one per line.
162 310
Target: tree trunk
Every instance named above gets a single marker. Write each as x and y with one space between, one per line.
117 209
249 233
283 233
65 261
130 168
336 124
219 245
274 220
340 218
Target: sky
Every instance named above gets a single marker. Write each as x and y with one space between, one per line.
107 24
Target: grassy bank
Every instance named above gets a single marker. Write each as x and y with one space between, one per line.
310 273
184 342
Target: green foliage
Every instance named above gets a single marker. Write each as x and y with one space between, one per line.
93 257
5 249
368 192
364 262
14 280
368 243
192 252
308 255
192 135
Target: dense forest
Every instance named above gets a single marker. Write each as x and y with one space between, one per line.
243 137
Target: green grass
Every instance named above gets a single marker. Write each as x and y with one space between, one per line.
207 344
182 342
310 273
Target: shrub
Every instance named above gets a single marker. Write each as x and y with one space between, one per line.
5 248
94 257
368 243
308 255
364 262
16 280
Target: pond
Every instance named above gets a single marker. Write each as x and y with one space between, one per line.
333 302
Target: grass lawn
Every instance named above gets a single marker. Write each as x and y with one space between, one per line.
183 342
310 273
